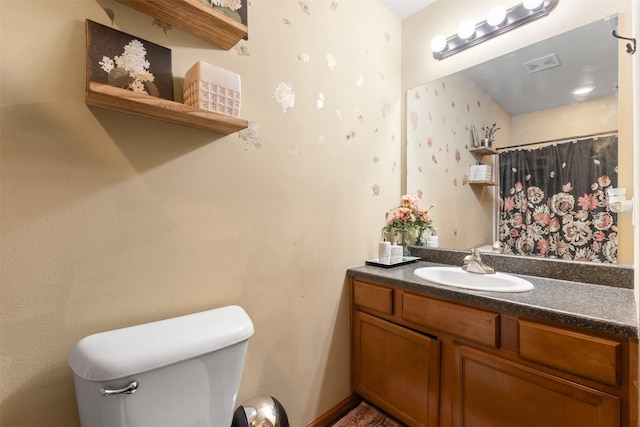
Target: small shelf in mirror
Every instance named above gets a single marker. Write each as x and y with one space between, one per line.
117 99
478 182
483 151
483 183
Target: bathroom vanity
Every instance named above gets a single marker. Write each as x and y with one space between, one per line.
563 354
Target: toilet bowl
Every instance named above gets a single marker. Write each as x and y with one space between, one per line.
179 372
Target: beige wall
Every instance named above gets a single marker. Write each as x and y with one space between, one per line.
584 118
110 220
443 16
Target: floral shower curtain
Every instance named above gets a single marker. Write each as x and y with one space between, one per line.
553 200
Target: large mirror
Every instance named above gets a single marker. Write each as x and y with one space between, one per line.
529 95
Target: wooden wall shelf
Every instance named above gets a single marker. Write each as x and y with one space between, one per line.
483 151
193 17
117 99
483 183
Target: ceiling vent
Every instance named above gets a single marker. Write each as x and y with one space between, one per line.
540 64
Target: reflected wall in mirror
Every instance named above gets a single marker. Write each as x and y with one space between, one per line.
529 95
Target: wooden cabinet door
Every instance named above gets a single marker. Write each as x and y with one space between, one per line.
396 369
490 391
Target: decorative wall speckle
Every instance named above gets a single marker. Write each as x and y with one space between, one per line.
294 151
304 7
165 27
331 61
284 94
251 135
241 49
304 57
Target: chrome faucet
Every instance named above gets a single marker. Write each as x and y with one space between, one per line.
473 264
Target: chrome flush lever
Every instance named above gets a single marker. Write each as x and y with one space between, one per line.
128 389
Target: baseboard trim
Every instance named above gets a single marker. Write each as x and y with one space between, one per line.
337 412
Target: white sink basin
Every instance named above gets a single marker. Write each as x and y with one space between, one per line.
456 276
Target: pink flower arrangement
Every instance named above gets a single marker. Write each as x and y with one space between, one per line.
409 216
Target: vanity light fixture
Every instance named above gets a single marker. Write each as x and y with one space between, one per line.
532 4
438 43
496 16
499 21
466 30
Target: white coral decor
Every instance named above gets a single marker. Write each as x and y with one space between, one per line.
133 61
231 4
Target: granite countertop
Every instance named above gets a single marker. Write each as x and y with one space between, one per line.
597 307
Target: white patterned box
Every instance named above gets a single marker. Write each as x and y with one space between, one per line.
480 173
212 88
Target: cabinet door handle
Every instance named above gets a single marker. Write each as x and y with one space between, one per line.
128 389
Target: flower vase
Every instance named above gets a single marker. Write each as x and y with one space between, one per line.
421 239
404 242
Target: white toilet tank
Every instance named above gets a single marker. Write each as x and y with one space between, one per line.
179 372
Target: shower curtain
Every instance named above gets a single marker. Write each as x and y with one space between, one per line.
553 200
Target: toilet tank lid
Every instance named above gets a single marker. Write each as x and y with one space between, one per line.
124 352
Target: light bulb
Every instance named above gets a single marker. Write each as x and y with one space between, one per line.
583 90
439 43
532 4
466 29
496 16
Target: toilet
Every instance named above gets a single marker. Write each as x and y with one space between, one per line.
179 372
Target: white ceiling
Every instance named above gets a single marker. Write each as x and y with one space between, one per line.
405 8
588 55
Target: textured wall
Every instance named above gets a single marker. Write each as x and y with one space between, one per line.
110 220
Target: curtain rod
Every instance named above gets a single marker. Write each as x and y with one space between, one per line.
560 140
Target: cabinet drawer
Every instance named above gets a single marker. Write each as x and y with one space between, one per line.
583 355
469 323
377 298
